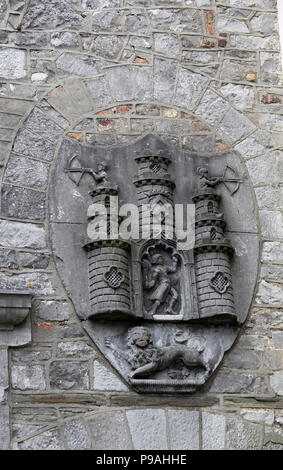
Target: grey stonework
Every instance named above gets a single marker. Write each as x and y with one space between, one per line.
208 78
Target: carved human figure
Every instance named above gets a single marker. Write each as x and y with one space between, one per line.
156 278
206 182
100 175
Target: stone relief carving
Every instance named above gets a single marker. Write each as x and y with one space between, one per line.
163 317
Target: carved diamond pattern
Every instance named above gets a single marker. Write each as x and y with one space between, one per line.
114 277
220 282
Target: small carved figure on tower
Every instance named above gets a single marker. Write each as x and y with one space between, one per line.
156 277
75 167
207 182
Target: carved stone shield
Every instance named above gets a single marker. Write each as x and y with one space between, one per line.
162 315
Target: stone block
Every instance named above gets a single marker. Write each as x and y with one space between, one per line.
242 359
38 122
31 377
107 46
48 440
51 310
5 427
234 126
189 88
8 259
12 63
76 349
65 375
269 293
271 224
21 203
213 431
120 83
242 97
167 44
76 435
38 283
148 429
51 14
26 172
270 197
243 436
258 416
83 66
103 379
164 79
276 382
231 25
99 91
22 235
142 79
234 382
183 429
274 360
109 431
65 39
211 108
31 145
30 356
31 39
277 337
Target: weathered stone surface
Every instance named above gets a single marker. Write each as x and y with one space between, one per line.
270 197
12 63
28 377
254 42
22 235
243 436
233 382
274 360
48 440
51 310
269 293
263 23
189 88
109 431
271 224
183 429
242 359
103 379
164 79
76 435
269 65
261 416
31 356
148 429
5 427
8 259
277 338
99 92
120 83
211 108
66 375
38 122
166 44
107 46
53 14
141 77
271 122
271 272
65 39
106 21
31 39
231 25
80 103
32 145
38 283
34 261
26 172
21 203
99 4
77 65
276 382
213 431
77 349
232 133
4 373
242 97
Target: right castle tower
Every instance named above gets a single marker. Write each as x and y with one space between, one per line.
213 254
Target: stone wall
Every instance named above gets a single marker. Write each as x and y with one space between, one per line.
203 75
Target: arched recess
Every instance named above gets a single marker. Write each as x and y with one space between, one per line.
65 113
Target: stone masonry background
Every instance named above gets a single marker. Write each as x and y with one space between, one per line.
106 72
